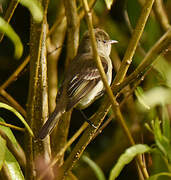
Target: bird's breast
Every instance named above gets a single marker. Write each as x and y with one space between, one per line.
97 90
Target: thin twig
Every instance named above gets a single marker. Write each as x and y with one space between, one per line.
72 29
91 4
54 40
60 19
61 131
62 151
115 105
12 126
162 44
127 60
124 67
15 74
88 135
141 50
9 81
61 135
14 103
161 14
56 24
135 86
9 13
99 131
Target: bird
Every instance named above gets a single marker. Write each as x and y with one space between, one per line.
82 83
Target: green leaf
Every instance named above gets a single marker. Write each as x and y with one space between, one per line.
164 69
155 176
157 96
10 162
9 133
109 3
2 151
140 96
166 122
8 30
161 141
97 170
126 158
3 105
13 168
35 8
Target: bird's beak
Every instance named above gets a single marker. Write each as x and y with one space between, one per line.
112 41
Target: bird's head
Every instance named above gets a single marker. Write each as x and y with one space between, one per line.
102 39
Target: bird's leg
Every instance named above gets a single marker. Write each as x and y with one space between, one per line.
87 120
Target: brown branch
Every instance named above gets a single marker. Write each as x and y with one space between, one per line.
60 154
72 29
91 4
89 133
14 76
127 60
162 44
161 14
71 20
13 102
55 40
37 106
142 70
60 19
61 133
12 126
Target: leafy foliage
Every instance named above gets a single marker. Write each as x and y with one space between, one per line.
126 158
144 103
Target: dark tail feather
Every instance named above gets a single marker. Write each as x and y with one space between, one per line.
50 123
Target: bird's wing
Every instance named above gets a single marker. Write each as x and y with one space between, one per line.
84 80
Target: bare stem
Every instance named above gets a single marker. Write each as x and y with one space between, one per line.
162 44
37 107
14 76
13 102
161 14
88 135
72 29
12 126
115 105
62 151
127 60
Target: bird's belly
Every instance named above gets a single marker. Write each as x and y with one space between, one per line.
95 92
91 96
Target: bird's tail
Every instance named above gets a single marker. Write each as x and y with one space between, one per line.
50 123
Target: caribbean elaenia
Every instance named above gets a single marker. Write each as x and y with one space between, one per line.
82 83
